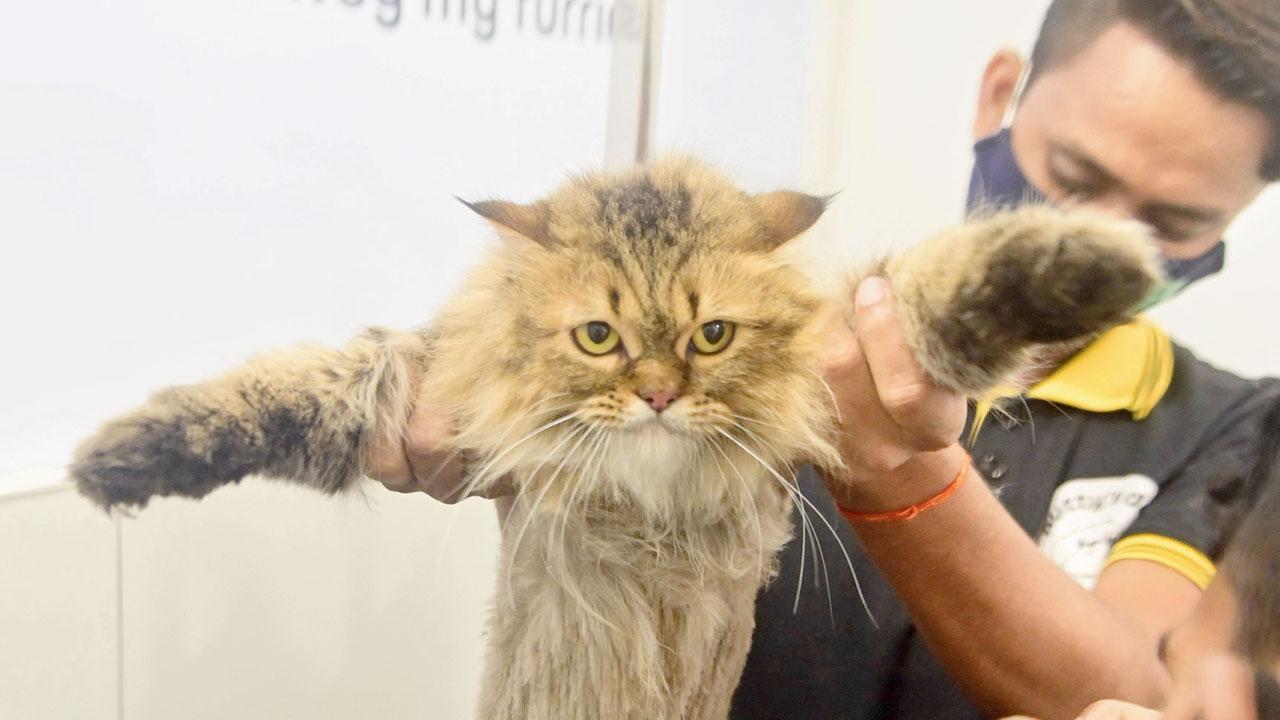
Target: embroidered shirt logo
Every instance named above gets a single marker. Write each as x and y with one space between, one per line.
1086 517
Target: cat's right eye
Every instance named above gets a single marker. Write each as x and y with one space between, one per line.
712 337
596 338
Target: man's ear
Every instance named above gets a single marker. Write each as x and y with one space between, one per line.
786 214
999 83
515 223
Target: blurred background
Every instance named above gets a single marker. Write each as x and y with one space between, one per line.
185 184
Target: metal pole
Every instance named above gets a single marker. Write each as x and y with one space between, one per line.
634 73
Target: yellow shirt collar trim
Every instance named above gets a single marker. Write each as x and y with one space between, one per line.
1129 367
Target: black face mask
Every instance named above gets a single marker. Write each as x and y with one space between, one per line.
997 183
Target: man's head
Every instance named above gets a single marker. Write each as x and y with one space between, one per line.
1163 110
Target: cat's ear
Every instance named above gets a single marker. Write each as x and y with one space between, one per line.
786 214
515 223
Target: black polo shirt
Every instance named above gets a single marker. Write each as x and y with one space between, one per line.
1092 486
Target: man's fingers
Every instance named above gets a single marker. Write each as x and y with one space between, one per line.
1227 689
930 415
898 377
389 463
1117 710
420 462
857 402
384 460
438 469
840 351
424 460
439 474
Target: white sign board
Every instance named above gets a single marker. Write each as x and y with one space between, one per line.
183 184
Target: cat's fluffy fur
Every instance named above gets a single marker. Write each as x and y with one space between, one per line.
639 540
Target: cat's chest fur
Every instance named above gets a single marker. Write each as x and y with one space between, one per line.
607 611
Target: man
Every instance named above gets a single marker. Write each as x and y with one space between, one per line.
1116 450
1153 109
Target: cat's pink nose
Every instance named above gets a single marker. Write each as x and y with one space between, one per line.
658 399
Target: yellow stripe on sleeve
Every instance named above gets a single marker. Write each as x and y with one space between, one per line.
1173 554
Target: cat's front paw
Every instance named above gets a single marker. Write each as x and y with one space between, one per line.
1055 276
159 449
980 300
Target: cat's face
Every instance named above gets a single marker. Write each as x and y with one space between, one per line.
637 331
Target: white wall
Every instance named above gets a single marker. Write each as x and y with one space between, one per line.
733 86
59 629
185 184
262 601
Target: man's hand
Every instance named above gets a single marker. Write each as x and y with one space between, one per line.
424 461
1110 710
891 414
1221 687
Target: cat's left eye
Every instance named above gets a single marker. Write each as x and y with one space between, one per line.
712 337
596 338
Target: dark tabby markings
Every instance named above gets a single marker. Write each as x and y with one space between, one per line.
182 446
611 253
1030 296
682 259
659 334
649 218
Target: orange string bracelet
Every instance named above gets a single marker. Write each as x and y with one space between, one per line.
910 511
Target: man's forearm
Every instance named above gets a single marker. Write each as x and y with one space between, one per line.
1013 630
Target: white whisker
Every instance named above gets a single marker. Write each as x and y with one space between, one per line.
758 421
531 510
545 459
482 473
821 561
582 478
755 512
806 527
849 561
467 484
569 584
835 405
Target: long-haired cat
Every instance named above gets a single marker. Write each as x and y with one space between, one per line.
638 358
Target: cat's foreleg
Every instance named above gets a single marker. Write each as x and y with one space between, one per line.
300 414
979 303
